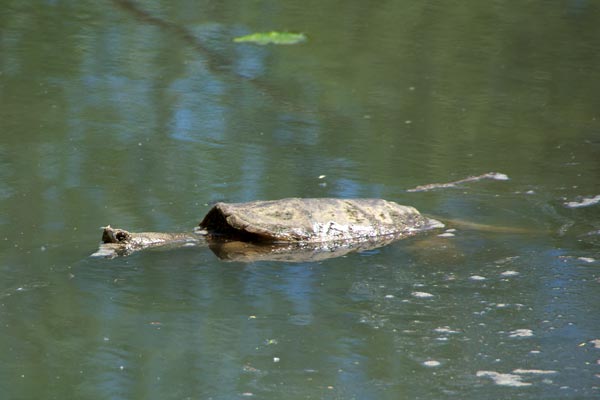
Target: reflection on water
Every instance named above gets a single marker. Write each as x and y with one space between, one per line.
141 115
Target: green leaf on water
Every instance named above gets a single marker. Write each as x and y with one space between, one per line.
272 37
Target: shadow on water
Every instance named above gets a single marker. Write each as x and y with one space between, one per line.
216 62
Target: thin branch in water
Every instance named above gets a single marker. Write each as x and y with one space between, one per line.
490 175
214 60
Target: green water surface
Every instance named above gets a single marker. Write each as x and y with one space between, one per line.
142 114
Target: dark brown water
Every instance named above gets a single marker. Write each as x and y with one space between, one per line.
141 114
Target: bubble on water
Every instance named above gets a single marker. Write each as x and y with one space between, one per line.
585 202
521 333
446 234
477 278
445 329
586 259
498 176
422 295
432 363
503 379
534 371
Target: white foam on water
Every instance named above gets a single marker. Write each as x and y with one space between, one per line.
422 295
432 363
585 202
504 379
586 259
509 273
534 371
446 234
477 278
521 333
499 176
444 329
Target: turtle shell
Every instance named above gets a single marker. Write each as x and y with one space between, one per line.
314 220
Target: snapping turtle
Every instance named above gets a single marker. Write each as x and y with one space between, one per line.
290 229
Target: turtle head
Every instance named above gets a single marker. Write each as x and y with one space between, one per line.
115 235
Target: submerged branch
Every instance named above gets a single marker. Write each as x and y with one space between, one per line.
490 175
214 60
